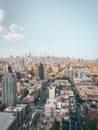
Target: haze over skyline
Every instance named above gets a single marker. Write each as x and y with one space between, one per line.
59 28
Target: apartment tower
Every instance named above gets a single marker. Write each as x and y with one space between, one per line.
9 89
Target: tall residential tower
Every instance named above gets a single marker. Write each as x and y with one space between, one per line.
9 89
41 71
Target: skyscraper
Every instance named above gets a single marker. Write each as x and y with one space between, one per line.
9 89
8 69
41 71
52 92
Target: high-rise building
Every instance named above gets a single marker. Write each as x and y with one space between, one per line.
8 69
52 92
41 71
9 89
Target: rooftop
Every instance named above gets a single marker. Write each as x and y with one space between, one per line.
6 120
87 92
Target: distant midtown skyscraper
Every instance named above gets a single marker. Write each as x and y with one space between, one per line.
41 71
9 89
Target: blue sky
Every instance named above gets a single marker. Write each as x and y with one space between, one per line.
55 27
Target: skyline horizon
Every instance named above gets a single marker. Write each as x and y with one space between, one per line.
28 54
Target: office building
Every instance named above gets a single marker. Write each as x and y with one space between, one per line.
41 71
52 92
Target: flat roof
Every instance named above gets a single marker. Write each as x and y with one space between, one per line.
6 119
88 91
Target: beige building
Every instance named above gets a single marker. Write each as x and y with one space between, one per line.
87 92
52 92
50 110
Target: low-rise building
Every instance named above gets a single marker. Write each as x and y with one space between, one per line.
19 112
87 92
50 108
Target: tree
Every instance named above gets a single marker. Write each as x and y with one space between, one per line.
33 73
55 126
35 101
92 124
50 70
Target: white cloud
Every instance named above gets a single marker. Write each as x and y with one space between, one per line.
13 27
13 36
10 33
2 15
1 28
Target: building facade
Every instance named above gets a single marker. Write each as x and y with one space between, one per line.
52 92
9 89
41 71
8 121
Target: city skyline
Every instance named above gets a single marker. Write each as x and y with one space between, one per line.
60 28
